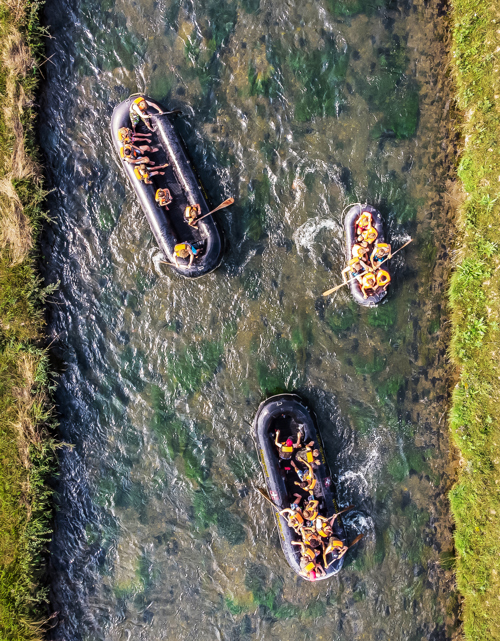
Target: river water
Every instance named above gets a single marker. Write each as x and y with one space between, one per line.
296 109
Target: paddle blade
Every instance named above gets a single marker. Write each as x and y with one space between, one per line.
356 540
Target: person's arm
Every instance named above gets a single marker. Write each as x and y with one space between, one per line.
276 439
297 445
371 258
284 512
155 106
389 255
191 258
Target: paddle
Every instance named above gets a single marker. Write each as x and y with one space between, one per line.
346 509
330 291
266 496
162 113
226 203
164 262
356 540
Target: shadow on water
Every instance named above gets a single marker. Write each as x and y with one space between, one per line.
296 110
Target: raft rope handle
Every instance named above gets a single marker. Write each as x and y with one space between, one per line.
351 205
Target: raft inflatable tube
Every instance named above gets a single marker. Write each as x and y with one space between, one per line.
350 238
288 413
169 226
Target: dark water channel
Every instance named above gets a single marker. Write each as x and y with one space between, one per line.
296 109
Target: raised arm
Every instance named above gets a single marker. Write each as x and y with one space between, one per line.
154 105
345 272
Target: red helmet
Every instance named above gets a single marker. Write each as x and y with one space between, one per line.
312 575
289 442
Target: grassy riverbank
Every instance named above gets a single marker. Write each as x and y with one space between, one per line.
475 303
26 448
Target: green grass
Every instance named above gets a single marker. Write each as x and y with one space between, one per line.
26 447
474 297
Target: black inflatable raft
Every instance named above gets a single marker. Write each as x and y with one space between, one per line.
350 238
288 414
169 227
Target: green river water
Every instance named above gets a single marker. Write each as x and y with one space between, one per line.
296 109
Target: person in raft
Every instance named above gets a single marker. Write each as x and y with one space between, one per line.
309 567
286 449
163 197
133 155
336 548
310 537
308 455
184 250
138 111
126 136
375 282
323 525
310 511
307 479
369 235
293 514
360 252
191 213
143 173
363 222
381 252
355 269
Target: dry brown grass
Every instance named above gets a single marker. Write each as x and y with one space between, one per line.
16 61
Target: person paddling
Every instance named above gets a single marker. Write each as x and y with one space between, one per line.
355 268
191 213
138 112
381 252
185 250
336 548
309 566
293 516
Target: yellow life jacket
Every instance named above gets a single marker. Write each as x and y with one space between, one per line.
335 543
310 553
122 133
309 567
133 153
369 280
309 457
310 518
180 247
311 483
358 251
296 518
370 235
383 278
139 173
364 221
285 448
